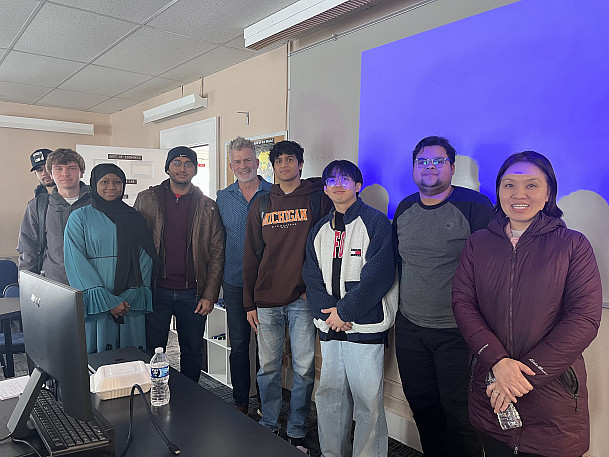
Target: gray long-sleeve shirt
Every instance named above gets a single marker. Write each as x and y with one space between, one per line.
430 241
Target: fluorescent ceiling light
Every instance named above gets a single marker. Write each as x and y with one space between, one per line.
188 103
295 19
47 125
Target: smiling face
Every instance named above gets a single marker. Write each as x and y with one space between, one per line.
287 169
110 187
244 164
432 180
344 191
67 177
523 192
181 171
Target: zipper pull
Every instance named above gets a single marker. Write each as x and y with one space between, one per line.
515 450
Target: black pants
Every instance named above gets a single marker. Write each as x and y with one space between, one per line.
190 327
433 365
494 448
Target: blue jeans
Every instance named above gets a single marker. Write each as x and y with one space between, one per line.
351 387
239 334
271 332
190 326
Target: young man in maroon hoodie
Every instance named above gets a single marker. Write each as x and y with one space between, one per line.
274 291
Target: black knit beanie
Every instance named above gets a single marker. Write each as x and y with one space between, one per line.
181 151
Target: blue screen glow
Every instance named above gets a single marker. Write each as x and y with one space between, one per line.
533 75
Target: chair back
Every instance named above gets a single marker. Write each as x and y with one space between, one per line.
8 273
12 290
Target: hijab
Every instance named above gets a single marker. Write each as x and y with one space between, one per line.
131 231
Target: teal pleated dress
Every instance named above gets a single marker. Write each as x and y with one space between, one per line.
90 249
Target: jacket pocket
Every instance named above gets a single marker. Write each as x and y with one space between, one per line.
569 381
473 361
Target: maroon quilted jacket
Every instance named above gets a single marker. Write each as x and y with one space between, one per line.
539 303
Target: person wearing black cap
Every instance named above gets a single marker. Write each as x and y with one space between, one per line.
40 243
108 253
189 238
39 160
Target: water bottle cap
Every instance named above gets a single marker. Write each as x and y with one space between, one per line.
158 351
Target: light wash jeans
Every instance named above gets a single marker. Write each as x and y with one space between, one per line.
351 388
271 332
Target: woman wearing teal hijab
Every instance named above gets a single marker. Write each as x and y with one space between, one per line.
108 253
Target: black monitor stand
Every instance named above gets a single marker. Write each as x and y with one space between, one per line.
17 424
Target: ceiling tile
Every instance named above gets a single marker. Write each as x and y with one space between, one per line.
37 70
103 80
136 11
71 100
14 15
59 31
216 21
215 60
112 105
20 93
151 88
152 51
238 43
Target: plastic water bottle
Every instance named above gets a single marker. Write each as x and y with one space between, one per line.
159 374
509 418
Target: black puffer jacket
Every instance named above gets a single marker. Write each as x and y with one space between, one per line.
539 303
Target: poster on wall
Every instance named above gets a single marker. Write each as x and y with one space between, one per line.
142 167
263 145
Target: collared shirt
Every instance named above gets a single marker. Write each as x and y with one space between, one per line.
234 209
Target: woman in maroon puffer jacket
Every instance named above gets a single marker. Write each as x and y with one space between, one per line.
527 298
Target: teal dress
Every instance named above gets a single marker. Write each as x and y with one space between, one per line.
90 248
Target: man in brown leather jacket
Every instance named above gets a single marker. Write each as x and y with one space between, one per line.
187 232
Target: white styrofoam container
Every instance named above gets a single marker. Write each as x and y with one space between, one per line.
114 381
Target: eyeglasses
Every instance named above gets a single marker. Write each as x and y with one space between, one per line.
437 162
178 164
342 180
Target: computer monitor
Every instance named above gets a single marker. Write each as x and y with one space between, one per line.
54 333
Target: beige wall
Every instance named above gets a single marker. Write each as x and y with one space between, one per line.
597 366
16 181
258 86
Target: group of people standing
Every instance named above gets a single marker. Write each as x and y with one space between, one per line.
492 307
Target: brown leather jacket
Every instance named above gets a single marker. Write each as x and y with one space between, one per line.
206 238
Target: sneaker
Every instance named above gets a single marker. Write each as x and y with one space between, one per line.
300 444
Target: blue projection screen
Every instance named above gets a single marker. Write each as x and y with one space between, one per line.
532 75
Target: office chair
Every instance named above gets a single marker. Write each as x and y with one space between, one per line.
8 273
11 290
18 346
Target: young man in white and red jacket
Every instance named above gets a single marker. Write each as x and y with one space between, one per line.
350 274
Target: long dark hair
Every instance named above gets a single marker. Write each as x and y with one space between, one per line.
550 208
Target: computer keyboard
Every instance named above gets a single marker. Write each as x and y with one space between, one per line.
61 433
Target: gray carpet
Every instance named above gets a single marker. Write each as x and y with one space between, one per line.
396 449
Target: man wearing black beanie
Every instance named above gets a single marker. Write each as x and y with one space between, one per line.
188 235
